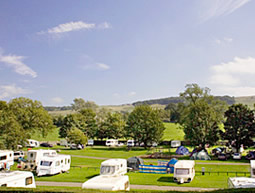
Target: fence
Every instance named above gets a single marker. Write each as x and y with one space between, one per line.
152 169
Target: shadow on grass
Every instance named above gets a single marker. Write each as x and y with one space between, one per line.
166 179
92 176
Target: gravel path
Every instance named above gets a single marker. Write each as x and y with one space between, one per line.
202 163
138 187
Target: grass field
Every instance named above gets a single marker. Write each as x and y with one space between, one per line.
83 169
173 132
52 136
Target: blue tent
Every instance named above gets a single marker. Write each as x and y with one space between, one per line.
170 165
182 151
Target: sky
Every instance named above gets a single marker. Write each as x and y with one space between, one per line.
118 52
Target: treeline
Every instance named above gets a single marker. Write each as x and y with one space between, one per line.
143 124
165 101
53 108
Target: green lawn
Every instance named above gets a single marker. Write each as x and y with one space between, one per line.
83 169
172 132
103 151
52 136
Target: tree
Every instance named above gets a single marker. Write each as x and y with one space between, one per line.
76 136
239 125
89 117
31 116
80 104
113 126
71 120
201 115
174 111
144 125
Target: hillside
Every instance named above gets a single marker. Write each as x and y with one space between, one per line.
247 100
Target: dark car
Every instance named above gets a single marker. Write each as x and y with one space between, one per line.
222 156
46 145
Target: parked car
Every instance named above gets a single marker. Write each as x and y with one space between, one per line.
75 146
46 145
222 156
237 156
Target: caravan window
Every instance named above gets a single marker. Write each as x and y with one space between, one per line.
107 170
46 154
182 171
31 155
3 157
46 163
17 153
57 163
29 181
4 185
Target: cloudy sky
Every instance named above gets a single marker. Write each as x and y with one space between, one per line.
116 52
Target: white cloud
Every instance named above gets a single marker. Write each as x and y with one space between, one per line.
7 91
225 40
132 93
102 66
68 27
234 77
57 100
217 8
16 62
74 26
104 25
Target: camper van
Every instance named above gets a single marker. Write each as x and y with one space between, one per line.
111 142
6 159
241 182
34 156
32 143
90 142
51 165
175 143
111 176
184 171
18 154
20 179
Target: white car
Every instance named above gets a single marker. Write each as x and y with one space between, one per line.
237 156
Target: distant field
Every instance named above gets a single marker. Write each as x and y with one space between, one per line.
249 100
172 132
52 136
119 108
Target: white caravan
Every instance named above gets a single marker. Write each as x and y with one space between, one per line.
34 156
111 142
184 171
18 154
32 143
241 182
111 176
130 143
63 142
6 159
55 164
17 179
252 168
175 143
90 142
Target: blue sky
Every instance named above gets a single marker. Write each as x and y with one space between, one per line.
117 52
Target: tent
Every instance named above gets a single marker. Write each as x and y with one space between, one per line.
170 165
200 155
134 163
182 151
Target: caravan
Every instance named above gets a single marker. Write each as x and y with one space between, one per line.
184 171
6 159
51 165
18 154
111 142
111 176
17 179
32 143
34 156
175 143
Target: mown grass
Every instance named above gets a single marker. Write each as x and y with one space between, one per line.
83 169
173 132
52 136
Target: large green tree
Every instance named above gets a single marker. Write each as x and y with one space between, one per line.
80 104
89 117
239 125
31 116
76 136
145 125
201 115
